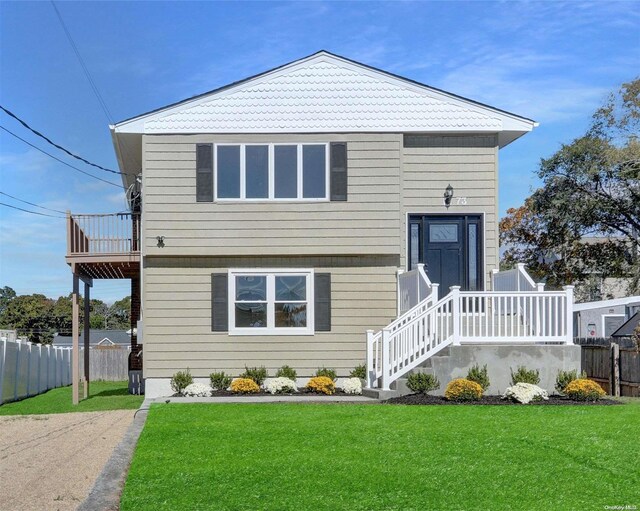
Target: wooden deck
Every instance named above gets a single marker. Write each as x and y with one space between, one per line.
104 246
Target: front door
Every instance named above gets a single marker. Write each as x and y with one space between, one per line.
450 246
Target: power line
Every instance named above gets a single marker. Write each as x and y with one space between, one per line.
103 105
27 211
32 204
58 159
36 132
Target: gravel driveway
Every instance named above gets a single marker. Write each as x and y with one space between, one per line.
50 462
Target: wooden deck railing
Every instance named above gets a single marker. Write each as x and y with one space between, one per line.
111 234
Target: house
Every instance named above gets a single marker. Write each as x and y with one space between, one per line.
602 318
628 328
322 213
97 339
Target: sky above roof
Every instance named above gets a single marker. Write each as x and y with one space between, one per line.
550 61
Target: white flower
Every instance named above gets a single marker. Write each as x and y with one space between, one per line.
352 386
280 385
525 393
197 390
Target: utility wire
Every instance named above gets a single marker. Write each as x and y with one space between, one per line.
32 204
27 211
58 159
36 132
103 105
92 83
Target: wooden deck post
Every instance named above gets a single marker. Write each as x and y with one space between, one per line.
87 331
75 330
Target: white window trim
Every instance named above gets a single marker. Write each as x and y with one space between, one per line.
604 321
271 273
271 173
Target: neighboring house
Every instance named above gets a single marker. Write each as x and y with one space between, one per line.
97 338
628 328
278 210
604 317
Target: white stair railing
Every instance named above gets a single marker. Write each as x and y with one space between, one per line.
469 317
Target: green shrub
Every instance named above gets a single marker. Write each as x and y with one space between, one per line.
329 373
220 381
565 377
359 372
480 376
181 380
421 383
287 372
257 374
524 375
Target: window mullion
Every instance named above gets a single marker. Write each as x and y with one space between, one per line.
271 296
243 169
299 155
272 172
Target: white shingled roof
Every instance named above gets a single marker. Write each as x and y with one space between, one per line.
326 93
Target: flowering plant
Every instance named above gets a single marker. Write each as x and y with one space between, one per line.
280 385
584 390
352 386
197 390
321 385
244 386
525 393
462 389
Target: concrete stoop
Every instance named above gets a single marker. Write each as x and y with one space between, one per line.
455 362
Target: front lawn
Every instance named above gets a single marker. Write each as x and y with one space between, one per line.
103 395
379 457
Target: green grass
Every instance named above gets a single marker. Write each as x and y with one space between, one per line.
103 395
381 457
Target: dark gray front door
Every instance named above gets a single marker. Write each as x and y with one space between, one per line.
450 246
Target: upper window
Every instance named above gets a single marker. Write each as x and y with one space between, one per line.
284 172
270 302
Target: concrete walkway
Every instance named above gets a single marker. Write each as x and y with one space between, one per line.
50 462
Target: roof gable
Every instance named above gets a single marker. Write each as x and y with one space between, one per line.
325 93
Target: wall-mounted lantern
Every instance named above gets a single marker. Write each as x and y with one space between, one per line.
448 195
160 241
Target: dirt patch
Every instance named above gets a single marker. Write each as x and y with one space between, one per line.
51 461
425 399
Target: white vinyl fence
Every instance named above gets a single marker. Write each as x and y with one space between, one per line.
29 369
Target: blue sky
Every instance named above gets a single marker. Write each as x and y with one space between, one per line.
550 61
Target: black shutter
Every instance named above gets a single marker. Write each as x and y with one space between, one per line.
322 303
204 172
219 302
339 171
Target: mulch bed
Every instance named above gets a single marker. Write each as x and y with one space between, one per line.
301 392
425 399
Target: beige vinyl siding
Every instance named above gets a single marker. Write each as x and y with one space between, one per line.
368 223
470 164
177 323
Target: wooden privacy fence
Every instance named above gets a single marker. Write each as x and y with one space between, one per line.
616 369
107 364
29 369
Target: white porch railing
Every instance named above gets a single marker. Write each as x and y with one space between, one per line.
413 287
467 317
516 279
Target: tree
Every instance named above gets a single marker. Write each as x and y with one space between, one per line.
31 315
585 219
6 295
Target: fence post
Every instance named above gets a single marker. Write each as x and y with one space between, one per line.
3 362
615 369
569 312
399 272
455 314
371 372
386 359
492 276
